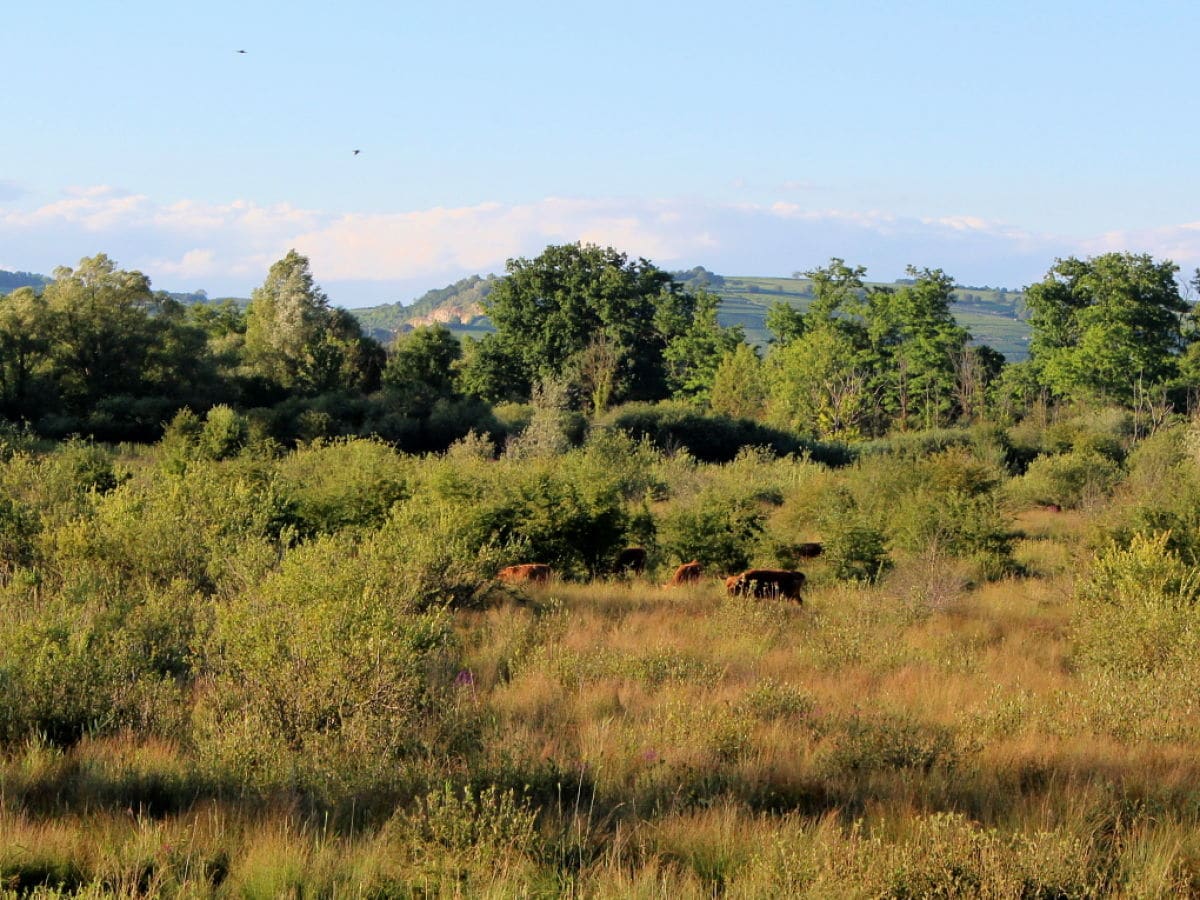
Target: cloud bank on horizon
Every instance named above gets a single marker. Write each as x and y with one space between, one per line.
366 258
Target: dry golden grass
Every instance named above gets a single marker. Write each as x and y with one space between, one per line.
925 735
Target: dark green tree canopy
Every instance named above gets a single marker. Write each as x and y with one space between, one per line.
420 369
1104 325
550 310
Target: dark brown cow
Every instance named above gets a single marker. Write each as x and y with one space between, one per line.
688 573
631 561
767 583
536 573
809 550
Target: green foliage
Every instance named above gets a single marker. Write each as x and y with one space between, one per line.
420 369
222 434
865 745
492 369
1138 609
694 356
739 389
334 485
785 322
1068 480
671 426
575 526
549 310
855 546
820 386
94 662
486 823
295 339
717 529
916 340
334 671
552 427
25 343
322 664
1105 325
211 527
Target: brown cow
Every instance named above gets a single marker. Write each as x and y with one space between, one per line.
631 561
688 573
536 573
809 550
767 583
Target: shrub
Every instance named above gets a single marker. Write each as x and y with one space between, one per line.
885 743
1069 480
1138 608
672 426
95 664
336 670
1161 495
719 530
342 483
575 525
206 526
486 823
855 546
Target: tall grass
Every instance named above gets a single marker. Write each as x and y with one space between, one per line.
254 677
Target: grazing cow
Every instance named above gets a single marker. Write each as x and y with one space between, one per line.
536 573
631 561
809 550
688 573
767 583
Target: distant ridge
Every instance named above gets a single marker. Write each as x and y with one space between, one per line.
10 281
458 304
994 316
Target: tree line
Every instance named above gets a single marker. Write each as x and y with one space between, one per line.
582 329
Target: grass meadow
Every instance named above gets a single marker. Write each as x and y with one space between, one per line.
292 674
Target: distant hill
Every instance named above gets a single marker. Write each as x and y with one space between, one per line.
459 306
10 281
994 316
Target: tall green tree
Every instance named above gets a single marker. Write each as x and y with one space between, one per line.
295 339
837 294
493 369
785 322
1107 326
420 369
102 330
819 384
692 357
25 339
739 389
550 309
915 342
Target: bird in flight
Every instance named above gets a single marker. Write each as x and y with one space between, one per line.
356 152
239 51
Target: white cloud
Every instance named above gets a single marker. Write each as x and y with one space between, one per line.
228 247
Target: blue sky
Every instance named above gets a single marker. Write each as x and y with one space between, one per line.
757 138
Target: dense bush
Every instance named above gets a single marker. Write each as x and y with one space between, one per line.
718 529
1138 608
1068 480
674 426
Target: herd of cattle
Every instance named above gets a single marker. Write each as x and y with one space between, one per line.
782 583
